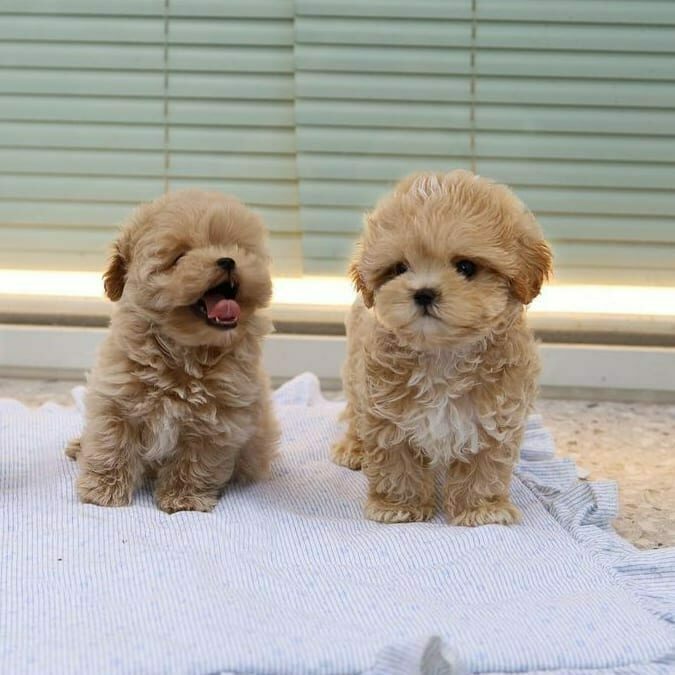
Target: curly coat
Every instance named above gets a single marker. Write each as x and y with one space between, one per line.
172 395
442 369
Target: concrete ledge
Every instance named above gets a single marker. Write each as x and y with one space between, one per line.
646 373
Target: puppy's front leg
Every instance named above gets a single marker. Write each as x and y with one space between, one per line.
400 485
477 490
193 479
109 465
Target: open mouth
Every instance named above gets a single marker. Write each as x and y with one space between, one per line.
218 306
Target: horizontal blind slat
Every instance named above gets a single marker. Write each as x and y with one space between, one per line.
47 212
646 12
586 65
385 59
99 8
575 92
253 192
260 9
62 135
230 86
382 114
78 56
608 147
239 113
382 86
81 83
333 166
383 141
399 33
420 9
581 119
26 108
205 165
75 188
231 59
81 162
232 139
581 174
91 30
574 37
233 32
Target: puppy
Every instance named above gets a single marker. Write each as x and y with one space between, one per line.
441 368
178 390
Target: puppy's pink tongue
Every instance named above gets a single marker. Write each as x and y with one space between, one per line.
218 307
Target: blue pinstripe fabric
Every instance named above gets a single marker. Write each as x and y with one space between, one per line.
287 576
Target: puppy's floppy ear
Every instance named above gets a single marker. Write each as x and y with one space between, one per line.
357 277
360 284
536 266
115 276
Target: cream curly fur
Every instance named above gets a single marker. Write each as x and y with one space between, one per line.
447 390
172 397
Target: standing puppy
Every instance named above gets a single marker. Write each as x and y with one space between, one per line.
178 390
442 368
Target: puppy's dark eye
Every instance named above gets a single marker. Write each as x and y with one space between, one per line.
398 269
467 268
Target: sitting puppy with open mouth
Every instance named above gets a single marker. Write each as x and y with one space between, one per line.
178 391
442 369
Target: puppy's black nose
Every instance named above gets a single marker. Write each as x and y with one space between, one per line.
425 296
226 264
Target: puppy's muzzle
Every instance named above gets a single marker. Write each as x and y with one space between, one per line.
218 306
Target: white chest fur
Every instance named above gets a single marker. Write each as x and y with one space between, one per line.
441 420
167 414
162 439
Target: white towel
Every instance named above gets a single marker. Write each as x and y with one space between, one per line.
288 577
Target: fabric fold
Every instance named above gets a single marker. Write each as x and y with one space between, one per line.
286 576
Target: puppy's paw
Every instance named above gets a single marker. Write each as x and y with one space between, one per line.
73 449
104 490
397 513
497 512
173 502
347 452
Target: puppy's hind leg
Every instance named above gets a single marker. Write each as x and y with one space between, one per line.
348 451
73 448
253 463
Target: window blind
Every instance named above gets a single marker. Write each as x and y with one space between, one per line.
103 105
230 123
310 109
81 125
382 88
574 108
